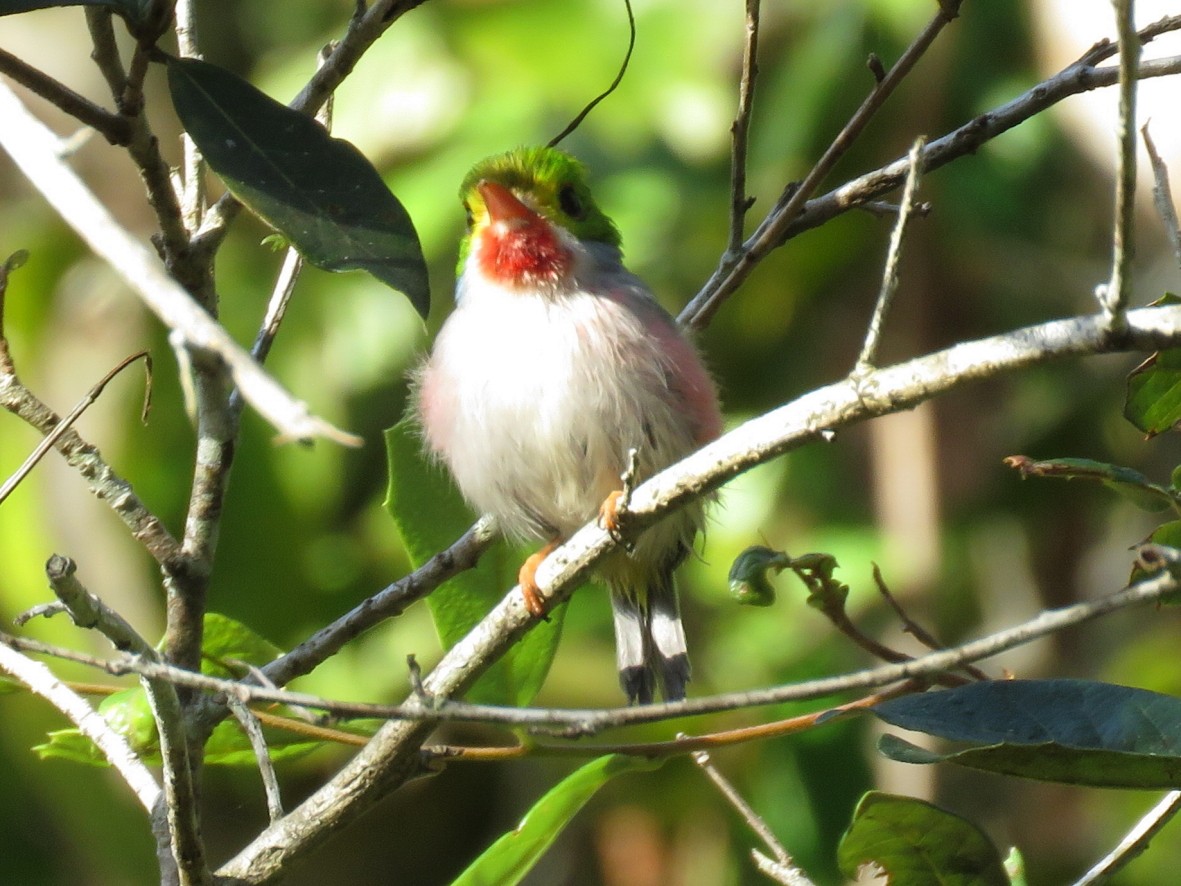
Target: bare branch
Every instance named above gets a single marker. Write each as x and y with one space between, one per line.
40 680
1136 840
740 129
753 820
430 707
1162 195
112 127
51 439
1082 76
1115 295
258 743
31 145
180 794
869 351
735 267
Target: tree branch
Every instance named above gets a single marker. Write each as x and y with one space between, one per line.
393 754
1082 76
32 146
180 794
736 266
1115 295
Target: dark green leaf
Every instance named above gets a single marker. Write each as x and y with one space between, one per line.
918 844
750 575
430 516
1131 484
512 856
1073 731
318 191
1153 402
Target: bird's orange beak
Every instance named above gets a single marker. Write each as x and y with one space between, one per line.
504 208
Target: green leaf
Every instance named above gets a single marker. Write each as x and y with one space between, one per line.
430 516
1153 402
318 191
134 11
512 856
228 644
750 575
918 844
1132 485
1070 731
128 713
227 641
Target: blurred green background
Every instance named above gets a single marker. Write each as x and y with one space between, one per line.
1018 233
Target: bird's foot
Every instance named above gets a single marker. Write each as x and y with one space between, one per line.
613 514
527 579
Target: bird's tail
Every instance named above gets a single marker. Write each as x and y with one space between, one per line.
650 640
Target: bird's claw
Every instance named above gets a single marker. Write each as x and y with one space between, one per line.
527 579
613 514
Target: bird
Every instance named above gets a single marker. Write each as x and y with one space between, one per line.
556 370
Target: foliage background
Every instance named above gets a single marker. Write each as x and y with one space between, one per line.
1018 233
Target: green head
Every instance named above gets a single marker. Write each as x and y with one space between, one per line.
551 181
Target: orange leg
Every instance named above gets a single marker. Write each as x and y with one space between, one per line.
612 514
527 579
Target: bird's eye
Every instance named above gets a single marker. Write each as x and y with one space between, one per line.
467 213
570 202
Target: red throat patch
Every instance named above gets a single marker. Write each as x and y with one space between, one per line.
523 251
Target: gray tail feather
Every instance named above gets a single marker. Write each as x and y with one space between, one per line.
650 641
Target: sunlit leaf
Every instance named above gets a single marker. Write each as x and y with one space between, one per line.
1153 402
918 844
318 191
1131 484
430 516
1073 731
512 856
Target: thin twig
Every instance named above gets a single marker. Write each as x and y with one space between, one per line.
1136 840
581 722
593 103
786 874
873 337
740 203
103 482
1162 195
251 726
192 187
753 820
112 127
51 439
770 232
1115 295
388 603
912 627
106 50
1081 76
